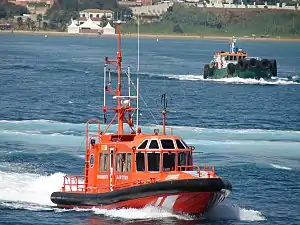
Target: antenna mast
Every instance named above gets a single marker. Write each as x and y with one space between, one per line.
123 102
137 76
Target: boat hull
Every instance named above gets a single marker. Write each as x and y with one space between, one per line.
252 73
252 69
193 196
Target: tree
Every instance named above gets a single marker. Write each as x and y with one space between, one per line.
103 21
177 28
32 25
10 10
45 25
39 19
28 22
20 21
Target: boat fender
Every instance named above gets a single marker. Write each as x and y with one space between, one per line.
206 71
243 64
273 68
230 68
253 63
265 64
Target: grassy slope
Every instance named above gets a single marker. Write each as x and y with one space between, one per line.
225 22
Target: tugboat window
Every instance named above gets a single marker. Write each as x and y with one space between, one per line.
153 144
153 161
128 168
140 162
167 144
121 162
179 144
103 159
143 145
169 161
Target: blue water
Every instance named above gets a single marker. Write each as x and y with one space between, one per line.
250 130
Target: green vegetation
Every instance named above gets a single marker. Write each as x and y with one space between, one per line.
61 12
179 19
8 10
212 21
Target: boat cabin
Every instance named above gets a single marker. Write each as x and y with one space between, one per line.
119 161
222 59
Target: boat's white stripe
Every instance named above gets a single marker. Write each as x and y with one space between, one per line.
169 202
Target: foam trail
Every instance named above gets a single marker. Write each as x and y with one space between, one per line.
280 167
28 189
149 212
231 212
234 80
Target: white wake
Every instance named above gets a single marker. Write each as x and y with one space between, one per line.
280 167
235 80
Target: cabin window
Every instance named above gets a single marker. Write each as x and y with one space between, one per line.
179 144
182 157
140 162
234 57
230 58
167 144
226 57
143 145
121 162
128 163
189 158
169 161
103 159
153 161
182 141
153 144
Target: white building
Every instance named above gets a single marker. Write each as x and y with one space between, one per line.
95 15
108 29
73 28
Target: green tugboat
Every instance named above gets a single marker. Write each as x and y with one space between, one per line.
236 63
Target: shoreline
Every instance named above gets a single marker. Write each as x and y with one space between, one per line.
156 36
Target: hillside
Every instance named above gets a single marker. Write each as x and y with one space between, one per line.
215 21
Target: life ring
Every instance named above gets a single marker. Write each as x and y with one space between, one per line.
230 68
253 62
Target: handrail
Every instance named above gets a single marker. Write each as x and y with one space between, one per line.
205 167
76 186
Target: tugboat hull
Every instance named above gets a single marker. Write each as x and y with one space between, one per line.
193 196
251 73
244 68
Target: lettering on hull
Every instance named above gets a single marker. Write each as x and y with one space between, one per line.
122 177
102 177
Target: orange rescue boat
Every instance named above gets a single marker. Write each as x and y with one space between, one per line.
134 170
